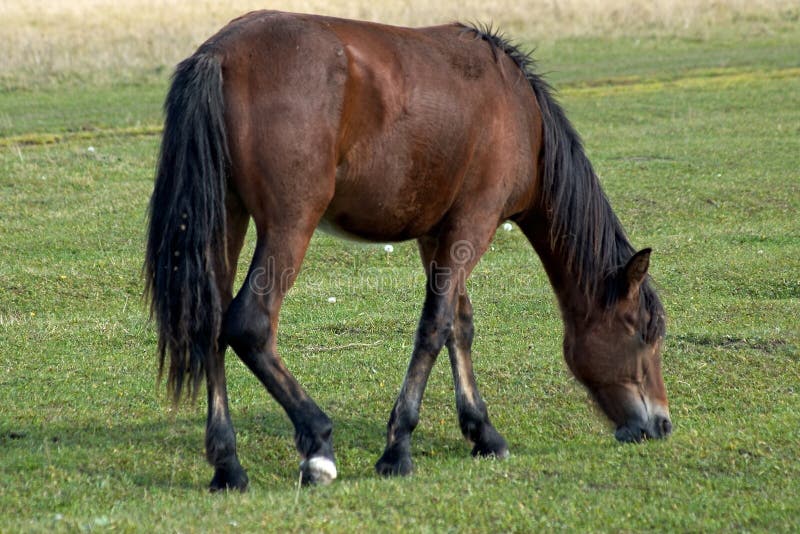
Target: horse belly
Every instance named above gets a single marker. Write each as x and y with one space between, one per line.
386 204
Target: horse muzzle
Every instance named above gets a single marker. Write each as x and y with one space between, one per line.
657 426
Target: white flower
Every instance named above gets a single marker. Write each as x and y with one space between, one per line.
507 227
388 248
332 300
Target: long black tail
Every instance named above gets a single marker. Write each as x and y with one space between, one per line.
186 235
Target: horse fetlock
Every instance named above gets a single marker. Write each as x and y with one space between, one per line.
312 427
314 440
220 445
230 476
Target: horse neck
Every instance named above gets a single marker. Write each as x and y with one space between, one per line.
573 300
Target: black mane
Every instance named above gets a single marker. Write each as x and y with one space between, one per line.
583 226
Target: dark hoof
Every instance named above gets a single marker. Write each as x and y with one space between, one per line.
229 479
393 463
491 445
318 470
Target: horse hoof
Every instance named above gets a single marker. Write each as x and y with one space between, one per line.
318 470
500 454
229 480
491 446
394 465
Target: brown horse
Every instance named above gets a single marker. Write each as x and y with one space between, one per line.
382 133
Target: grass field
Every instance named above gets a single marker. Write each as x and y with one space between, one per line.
697 141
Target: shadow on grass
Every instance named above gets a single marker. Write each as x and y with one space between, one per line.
168 453
775 346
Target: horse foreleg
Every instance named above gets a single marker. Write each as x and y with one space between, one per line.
434 328
473 417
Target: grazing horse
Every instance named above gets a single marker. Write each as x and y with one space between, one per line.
381 133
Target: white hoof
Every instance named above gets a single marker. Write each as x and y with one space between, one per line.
318 470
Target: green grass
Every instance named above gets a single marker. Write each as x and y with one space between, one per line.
698 146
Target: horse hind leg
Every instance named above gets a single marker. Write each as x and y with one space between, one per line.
250 327
220 440
283 168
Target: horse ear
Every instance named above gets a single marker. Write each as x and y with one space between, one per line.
636 271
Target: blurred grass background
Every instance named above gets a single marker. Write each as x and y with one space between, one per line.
106 41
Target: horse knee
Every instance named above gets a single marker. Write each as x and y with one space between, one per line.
434 332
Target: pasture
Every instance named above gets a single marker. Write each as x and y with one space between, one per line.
694 128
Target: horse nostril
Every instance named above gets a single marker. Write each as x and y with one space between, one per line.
664 426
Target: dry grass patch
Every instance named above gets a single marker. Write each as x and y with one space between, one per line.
104 40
